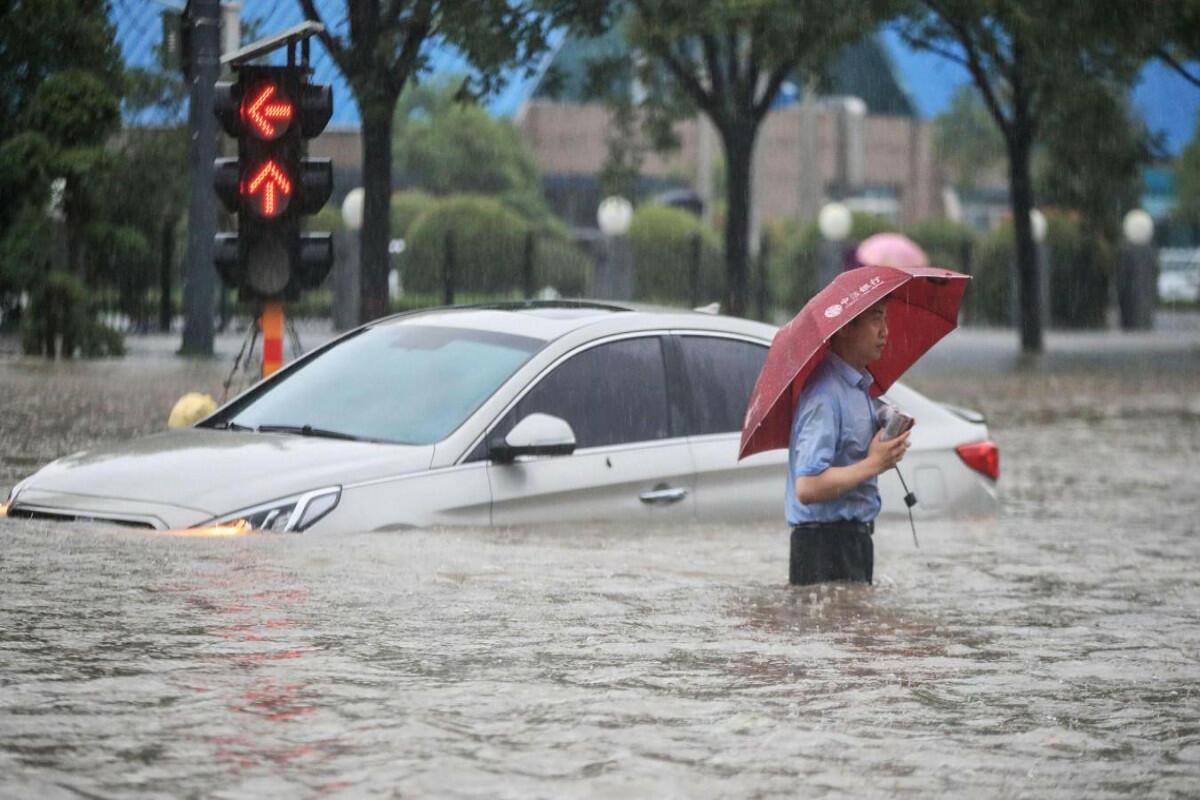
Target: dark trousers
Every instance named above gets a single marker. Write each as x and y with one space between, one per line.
832 551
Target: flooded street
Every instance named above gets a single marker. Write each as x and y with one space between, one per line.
1052 652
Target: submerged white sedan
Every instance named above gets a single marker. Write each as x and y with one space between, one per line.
500 415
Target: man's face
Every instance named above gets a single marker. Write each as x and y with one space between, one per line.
862 341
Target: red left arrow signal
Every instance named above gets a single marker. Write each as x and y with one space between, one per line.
269 189
267 111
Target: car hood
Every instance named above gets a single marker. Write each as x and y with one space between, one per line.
188 476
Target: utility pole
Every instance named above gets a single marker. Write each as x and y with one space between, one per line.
203 18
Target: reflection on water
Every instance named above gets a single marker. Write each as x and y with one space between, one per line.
1054 652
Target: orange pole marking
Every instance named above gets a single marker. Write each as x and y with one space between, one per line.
271 322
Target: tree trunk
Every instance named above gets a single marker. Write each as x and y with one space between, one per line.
1028 299
739 152
377 192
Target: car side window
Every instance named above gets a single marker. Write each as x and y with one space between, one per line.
614 393
721 374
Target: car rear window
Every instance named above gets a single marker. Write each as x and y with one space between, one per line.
409 384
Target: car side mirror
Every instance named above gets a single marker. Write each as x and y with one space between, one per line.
534 435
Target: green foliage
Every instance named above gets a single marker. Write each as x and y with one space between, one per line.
966 139
948 244
1102 179
792 266
1082 270
988 299
561 264
464 149
38 39
1187 177
73 108
405 208
61 322
487 240
24 249
663 254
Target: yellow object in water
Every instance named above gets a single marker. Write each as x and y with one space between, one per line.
190 409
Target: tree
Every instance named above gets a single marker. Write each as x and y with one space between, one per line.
1187 176
728 59
1023 57
1101 179
379 47
447 146
36 41
966 139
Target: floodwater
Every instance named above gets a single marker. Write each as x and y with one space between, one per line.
1052 652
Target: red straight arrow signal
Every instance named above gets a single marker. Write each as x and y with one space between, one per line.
269 189
267 111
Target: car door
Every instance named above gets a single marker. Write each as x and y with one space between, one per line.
719 373
629 464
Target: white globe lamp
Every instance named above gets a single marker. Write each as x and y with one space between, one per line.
614 216
834 221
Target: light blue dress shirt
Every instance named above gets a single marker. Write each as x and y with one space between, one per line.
832 427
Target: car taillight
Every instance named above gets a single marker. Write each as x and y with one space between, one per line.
983 457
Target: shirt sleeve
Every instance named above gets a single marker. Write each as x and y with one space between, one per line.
814 436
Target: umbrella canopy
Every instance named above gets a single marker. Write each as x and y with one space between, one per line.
922 307
890 250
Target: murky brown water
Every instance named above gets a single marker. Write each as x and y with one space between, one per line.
1053 652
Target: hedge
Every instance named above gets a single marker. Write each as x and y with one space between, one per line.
663 251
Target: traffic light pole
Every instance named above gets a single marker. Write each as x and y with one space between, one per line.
204 18
271 323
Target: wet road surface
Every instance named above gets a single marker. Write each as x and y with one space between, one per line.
1052 652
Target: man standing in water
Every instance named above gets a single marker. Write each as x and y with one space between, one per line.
836 455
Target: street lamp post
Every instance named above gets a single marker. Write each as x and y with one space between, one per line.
614 273
1037 221
834 222
1137 272
346 295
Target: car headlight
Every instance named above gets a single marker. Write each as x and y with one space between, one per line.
12 497
293 514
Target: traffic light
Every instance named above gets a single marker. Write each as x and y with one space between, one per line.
271 186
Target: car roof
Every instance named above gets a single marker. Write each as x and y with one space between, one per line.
550 320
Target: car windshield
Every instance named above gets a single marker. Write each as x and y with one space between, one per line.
409 384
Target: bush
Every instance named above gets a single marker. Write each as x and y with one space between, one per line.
60 321
488 246
792 266
948 244
405 207
1082 269
988 300
663 252
489 251
561 264
1081 265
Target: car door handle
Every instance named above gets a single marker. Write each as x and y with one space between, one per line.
663 495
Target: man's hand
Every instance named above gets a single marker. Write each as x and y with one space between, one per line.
836 481
882 456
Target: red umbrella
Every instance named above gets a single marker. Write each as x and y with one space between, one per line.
922 307
890 250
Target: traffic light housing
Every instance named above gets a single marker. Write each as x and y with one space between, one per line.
271 185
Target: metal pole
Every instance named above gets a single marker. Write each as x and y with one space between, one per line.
204 17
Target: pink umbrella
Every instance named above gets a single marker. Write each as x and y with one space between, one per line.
890 250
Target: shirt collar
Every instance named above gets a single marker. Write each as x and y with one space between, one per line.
850 374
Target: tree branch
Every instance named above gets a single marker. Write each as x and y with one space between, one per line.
332 44
1164 56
